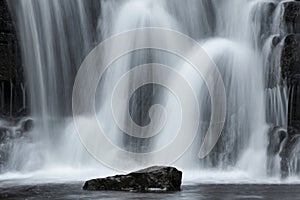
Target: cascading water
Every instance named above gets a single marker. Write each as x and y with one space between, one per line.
56 36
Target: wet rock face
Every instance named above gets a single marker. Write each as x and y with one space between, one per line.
290 69
266 20
290 59
291 17
277 137
150 179
290 62
288 155
10 133
290 66
12 88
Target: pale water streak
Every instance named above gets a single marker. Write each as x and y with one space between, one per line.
56 35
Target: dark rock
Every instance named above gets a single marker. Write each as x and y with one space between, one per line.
275 41
12 87
294 107
156 178
291 17
290 58
3 133
290 67
27 125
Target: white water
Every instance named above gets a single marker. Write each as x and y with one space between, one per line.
57 35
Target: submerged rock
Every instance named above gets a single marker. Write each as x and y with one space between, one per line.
151 179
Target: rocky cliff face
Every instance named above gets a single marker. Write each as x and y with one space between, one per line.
290 60
12 87
289 27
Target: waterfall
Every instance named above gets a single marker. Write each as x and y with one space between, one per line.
56 36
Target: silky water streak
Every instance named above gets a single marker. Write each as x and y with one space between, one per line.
92 70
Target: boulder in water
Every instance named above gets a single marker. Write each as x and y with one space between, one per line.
150 179
27 125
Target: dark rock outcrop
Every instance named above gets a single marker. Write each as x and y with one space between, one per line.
291 17
290 66
12 87
153 178
290 58
290 70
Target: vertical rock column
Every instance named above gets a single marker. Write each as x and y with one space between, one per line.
12 87
290 69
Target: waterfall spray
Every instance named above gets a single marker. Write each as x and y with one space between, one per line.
57 37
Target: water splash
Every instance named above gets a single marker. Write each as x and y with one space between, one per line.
56 36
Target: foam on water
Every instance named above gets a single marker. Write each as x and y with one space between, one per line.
60 34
